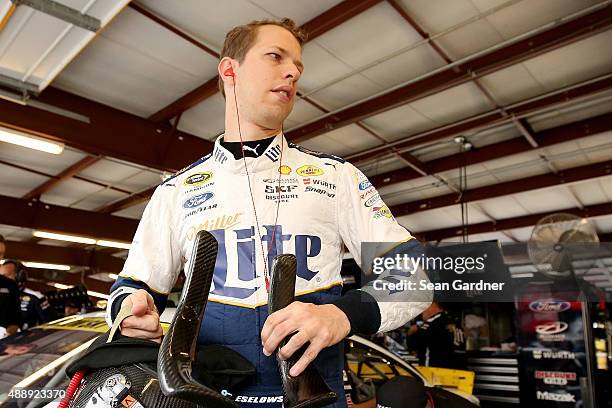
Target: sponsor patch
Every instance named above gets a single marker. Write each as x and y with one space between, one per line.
309 170
284 169
549 305
319 191
551 331
555 396
281 180
197 200
221 222
382 212
198 179
553 355
307 180
555 377
364 185
372 200
265 399
280 189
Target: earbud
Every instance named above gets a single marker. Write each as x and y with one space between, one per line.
229 72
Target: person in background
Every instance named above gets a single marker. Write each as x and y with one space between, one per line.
35 307
436 339
2 247
72 307
10 316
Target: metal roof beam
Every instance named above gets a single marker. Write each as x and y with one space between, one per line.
55 218
105 131
461 72
566 176
544 138
512 223
95 260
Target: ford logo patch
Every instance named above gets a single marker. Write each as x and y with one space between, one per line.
364 185
549 305
198 200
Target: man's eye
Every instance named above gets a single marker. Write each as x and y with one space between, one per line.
275 55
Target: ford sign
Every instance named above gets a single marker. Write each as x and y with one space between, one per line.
198 200
364 185
549 305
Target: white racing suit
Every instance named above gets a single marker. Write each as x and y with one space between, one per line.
325 203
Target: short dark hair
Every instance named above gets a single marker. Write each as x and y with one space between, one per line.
240 39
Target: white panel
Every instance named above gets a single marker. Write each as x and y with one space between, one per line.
343 141
490 236
604 224
381 166
503 207
598 105
140 181
37 160
347 91
590 192
413 190
320 67
299 11
436 16
15 233
69 192
17 182
207 20
303 111
207 119
523 17
579 61
524 85
109 172
453 104
545 200
405 66
467 40
363 38
399 122
99 199
126 71
134 212
522 234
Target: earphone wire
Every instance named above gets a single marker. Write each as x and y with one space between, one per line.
258 232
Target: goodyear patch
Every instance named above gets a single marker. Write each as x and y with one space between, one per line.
198 179
309 170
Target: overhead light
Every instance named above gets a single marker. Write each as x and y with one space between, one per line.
40 265
113 244
64 237
29 141
113 276
60 286
97 294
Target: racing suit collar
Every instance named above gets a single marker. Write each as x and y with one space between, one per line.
270 159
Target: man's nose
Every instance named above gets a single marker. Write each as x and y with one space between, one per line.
292 73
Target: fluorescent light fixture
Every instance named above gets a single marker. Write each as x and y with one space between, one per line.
29 141
97 294
113 276
60 286
113 244
40 265
64 237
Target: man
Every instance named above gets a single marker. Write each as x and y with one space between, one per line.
436 339
10 318
34 306
2 247
266 199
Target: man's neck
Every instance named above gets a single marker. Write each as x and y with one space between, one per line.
248 131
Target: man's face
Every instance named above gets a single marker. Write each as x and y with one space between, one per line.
2 250
8 270
266 81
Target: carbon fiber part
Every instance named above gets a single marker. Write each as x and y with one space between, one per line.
178 349
307 390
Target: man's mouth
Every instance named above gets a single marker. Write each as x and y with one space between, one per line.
284 92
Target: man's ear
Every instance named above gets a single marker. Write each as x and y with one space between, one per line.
226 70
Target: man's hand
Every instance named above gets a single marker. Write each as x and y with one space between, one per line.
144 322
321 325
